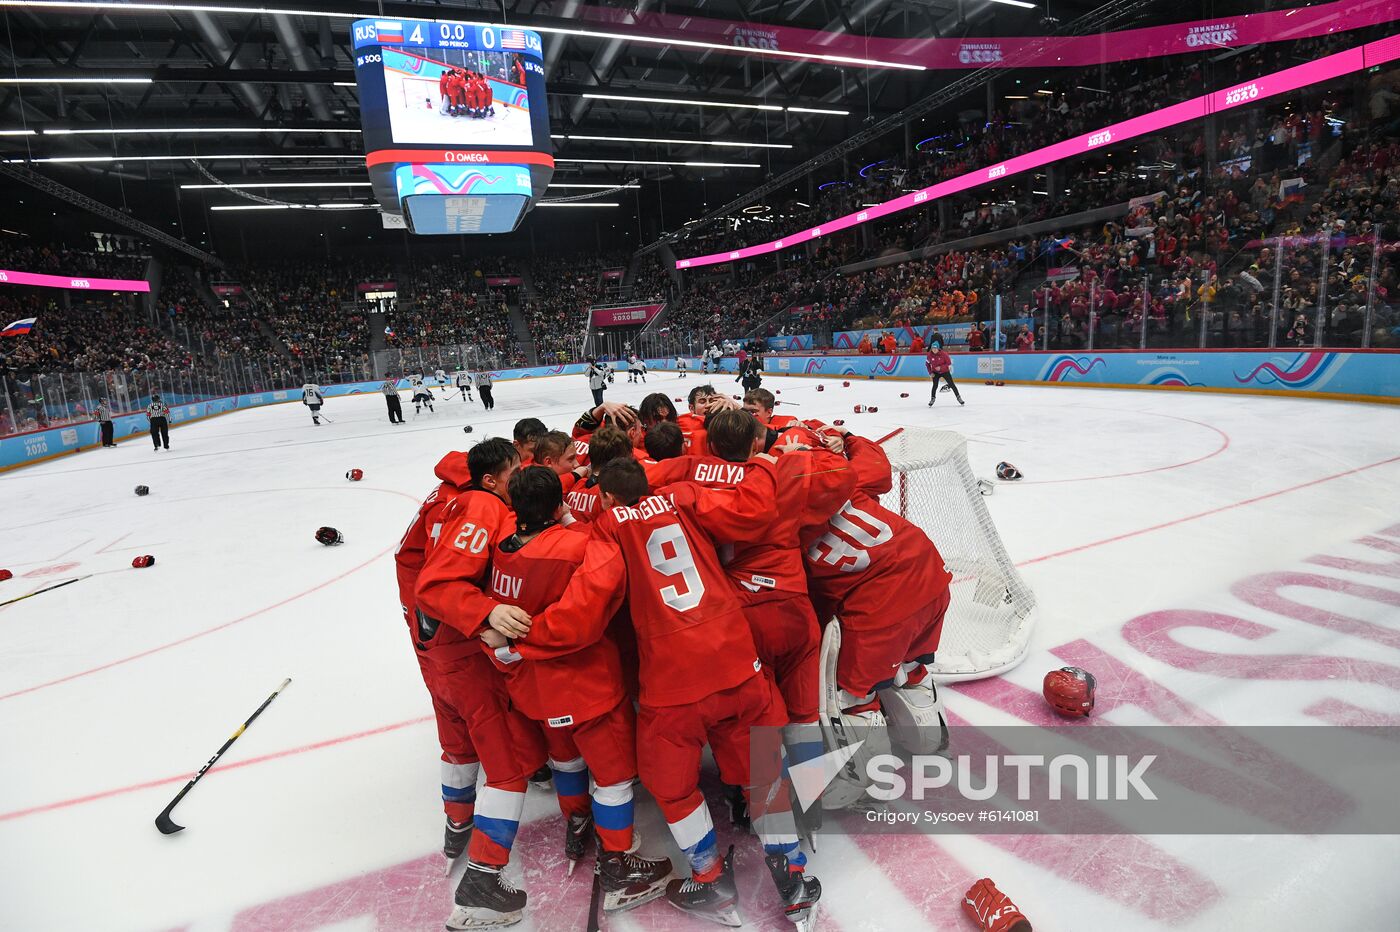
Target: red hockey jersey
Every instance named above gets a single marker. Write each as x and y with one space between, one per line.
692 637
453 584
573 687
413 547
866 559
810 487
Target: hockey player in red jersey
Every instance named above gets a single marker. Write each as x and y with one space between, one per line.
759 402
692 423
527 433
460 764
607 444
660 554
445 90
885 582
455 604
557 451
579 695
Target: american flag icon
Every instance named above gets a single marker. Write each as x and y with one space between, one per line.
512 39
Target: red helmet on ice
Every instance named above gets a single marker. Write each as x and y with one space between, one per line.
144 561
1007 471
329 536
1070 691
355 475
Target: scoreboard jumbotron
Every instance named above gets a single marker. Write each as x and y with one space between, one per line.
456 126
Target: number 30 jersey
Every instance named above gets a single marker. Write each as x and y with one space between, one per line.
867 560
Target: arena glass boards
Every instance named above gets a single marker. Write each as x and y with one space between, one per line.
456 126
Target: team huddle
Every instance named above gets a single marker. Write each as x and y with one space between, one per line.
465 93
663 580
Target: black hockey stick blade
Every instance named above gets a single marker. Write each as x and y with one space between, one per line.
164 822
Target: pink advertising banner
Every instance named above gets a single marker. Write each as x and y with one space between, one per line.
9 277
1269 85
370 287
503 281
626 316
1016 51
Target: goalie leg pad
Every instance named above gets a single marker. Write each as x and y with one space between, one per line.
914 713
864 730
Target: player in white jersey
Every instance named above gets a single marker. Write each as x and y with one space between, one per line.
464 384
635 368
313 398
422 395
441 376
681 366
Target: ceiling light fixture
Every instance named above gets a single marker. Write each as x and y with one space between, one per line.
597 187
677 142
16 132
1017 3
93 79
98 159
677 103
818 110
277 184
358 206
580 204
646 162
186 130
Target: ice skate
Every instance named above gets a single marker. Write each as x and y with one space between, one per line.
484 900
629 880
576 834
798 891
716 901
454 842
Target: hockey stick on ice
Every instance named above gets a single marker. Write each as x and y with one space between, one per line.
67 582
595 899
166 824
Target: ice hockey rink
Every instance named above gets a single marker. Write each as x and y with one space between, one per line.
414 117
1211 558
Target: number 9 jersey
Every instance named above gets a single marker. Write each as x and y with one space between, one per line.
692 637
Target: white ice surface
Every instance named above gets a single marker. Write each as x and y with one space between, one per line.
325 815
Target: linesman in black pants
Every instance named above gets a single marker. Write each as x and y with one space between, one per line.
158 412
390 388
104 423
483 389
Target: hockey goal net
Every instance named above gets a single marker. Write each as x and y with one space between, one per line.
988 625
420 93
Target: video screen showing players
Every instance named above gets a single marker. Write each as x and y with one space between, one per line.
457 97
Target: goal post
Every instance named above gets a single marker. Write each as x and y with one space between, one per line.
987 628
419 93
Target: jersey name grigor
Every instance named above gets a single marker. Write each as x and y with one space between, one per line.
649 507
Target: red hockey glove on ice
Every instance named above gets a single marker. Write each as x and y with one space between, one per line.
992 910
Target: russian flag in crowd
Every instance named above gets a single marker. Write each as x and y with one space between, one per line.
19 328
